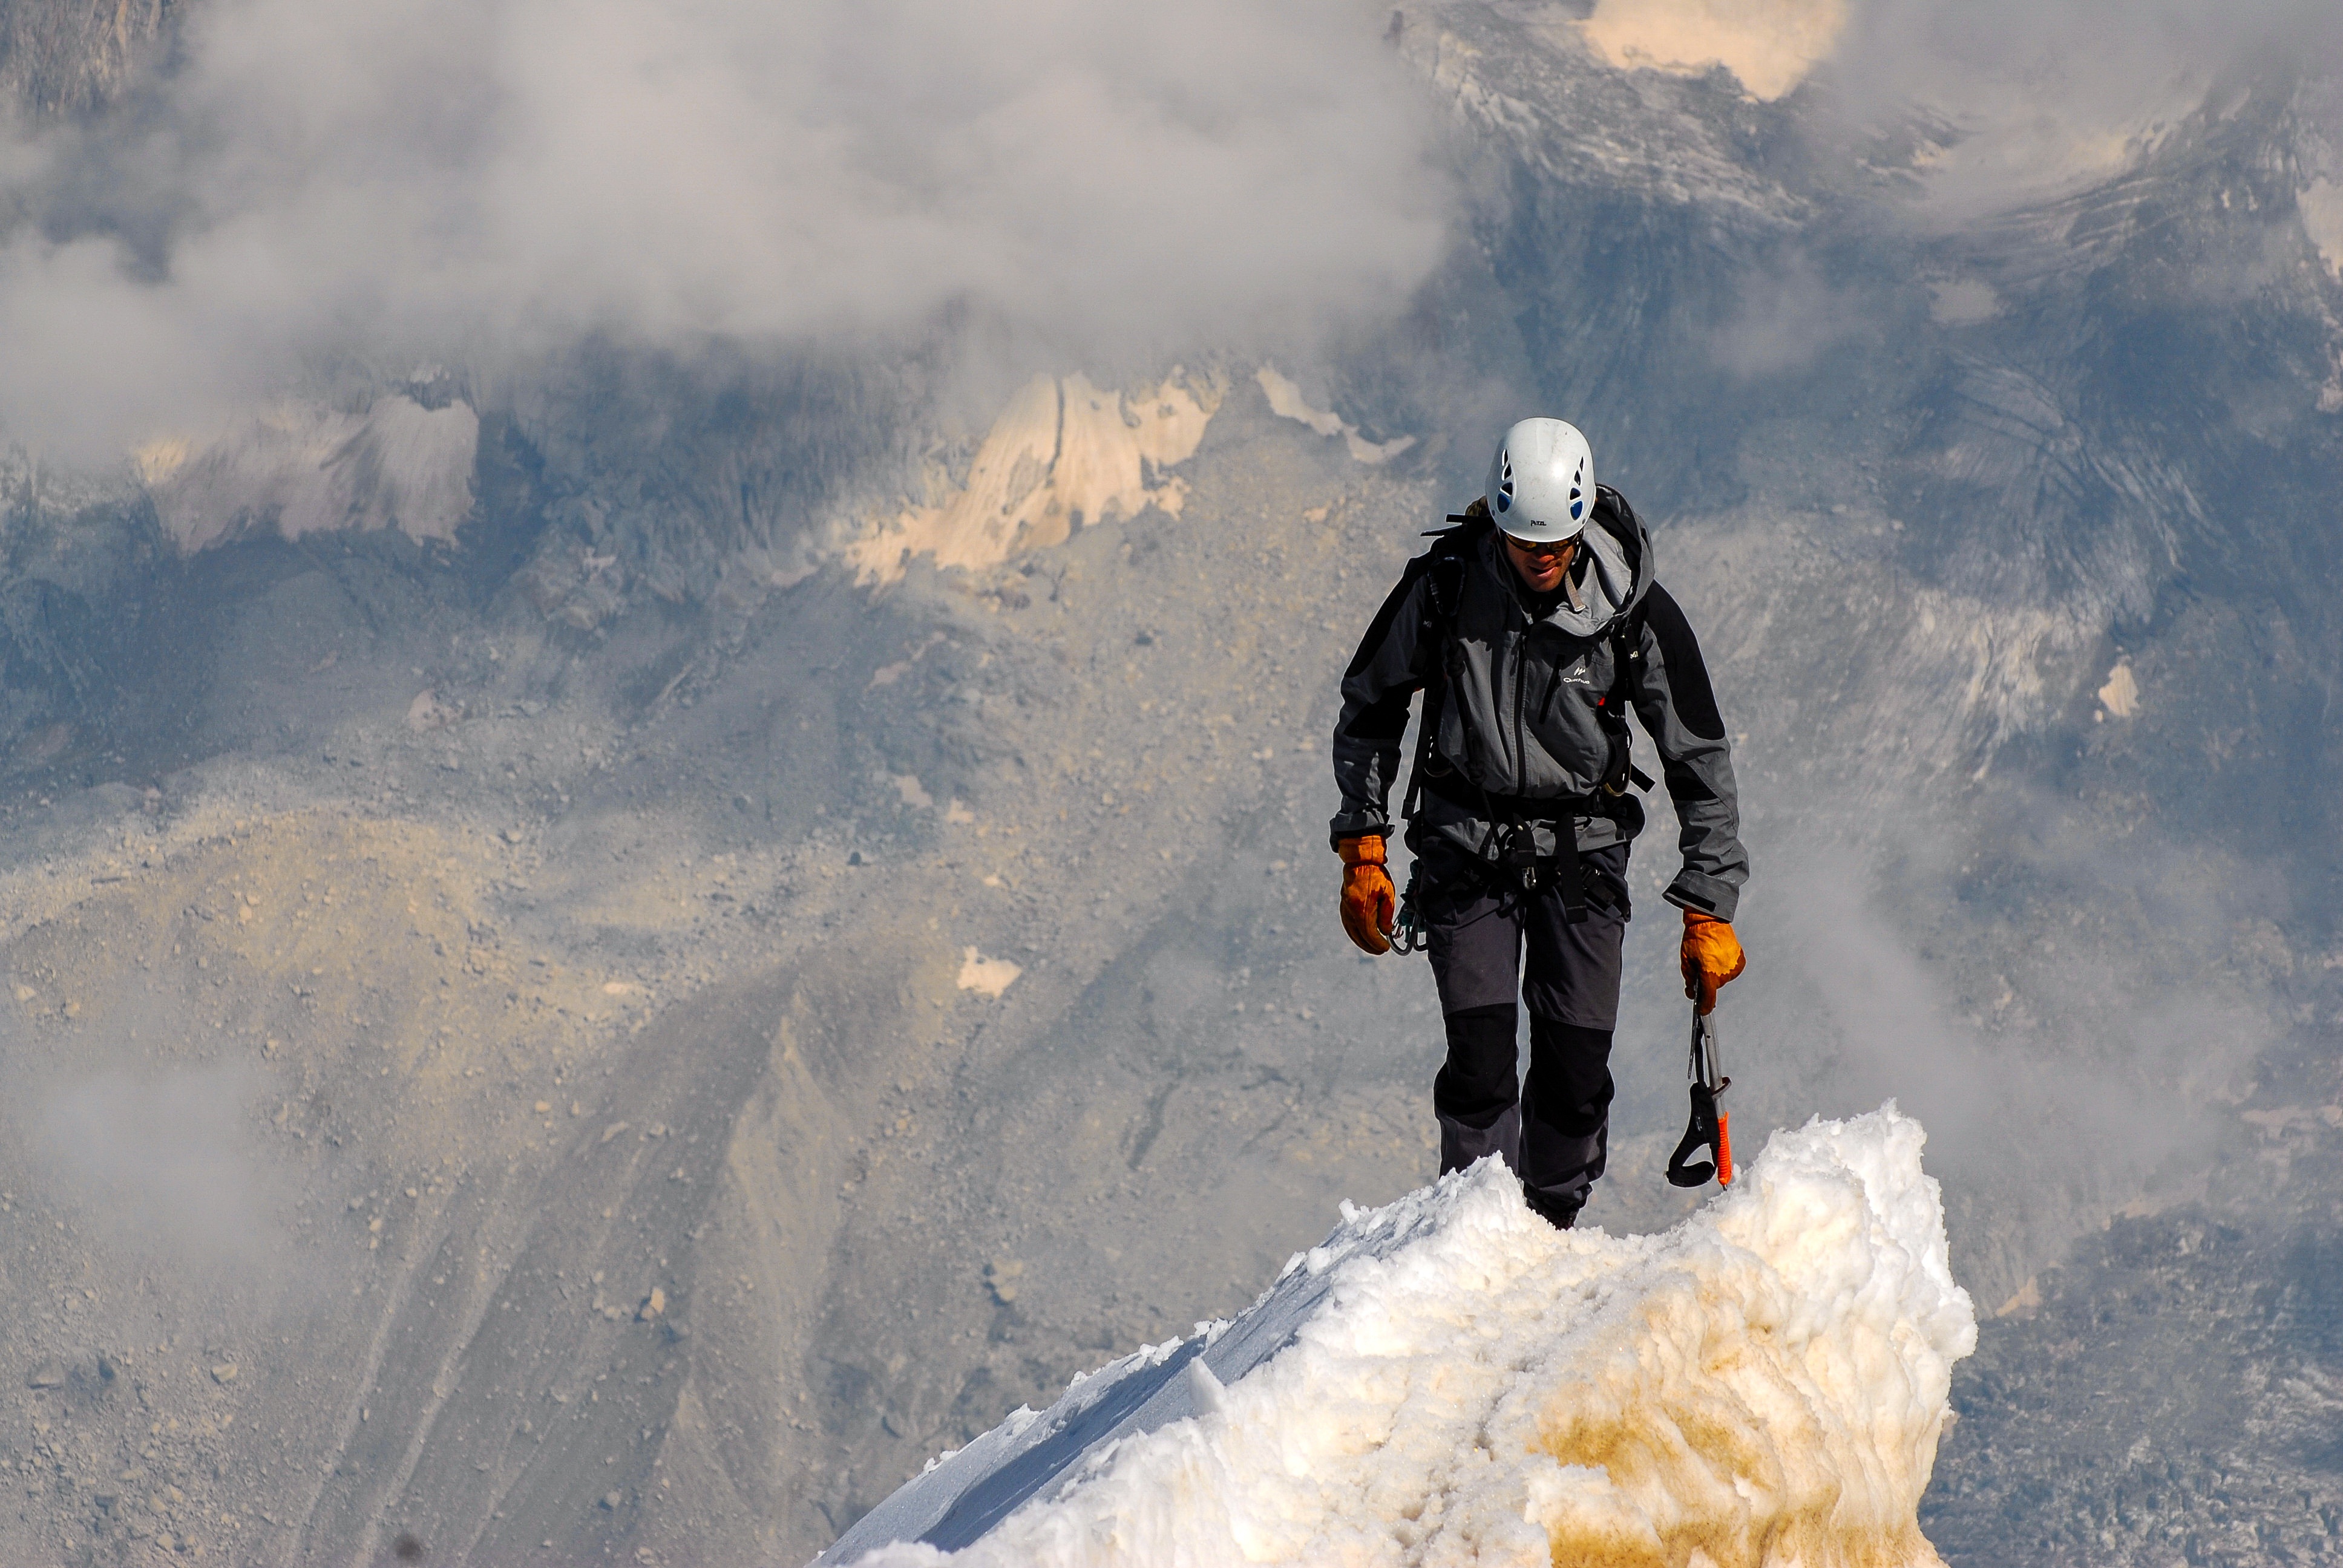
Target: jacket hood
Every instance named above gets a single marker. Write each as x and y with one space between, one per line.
1619 572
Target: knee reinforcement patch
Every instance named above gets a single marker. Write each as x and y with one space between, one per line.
1478 1082
1570 1076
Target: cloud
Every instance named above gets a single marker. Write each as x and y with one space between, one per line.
318 188
2062 1071
1784 321
164 1160
2030 98
319 180
2039 97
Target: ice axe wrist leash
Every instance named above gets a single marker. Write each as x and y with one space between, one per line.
1709 1128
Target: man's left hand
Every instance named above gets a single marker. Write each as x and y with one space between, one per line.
1367 896
1711 956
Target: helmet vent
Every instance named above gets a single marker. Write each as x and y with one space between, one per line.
1505 482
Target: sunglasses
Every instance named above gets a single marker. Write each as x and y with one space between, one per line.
1555 548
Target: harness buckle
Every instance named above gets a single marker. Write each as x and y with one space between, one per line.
1518 858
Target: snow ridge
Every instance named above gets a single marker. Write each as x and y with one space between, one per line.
1446 1380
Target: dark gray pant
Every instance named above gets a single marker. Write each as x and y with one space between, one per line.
1553 1131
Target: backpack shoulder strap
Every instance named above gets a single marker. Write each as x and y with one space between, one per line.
1446 561
1627 640
1443 563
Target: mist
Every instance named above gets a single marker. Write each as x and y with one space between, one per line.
476 183
2029 103
164 1163
288 195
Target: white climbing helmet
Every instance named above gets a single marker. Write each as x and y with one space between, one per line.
1542 481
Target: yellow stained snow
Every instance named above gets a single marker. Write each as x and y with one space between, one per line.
1064 453
1769 45
1724 1455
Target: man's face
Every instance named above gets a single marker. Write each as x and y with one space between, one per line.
1541 566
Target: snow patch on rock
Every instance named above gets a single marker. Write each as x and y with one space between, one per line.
1063 454
2321 205
1286 401
1448 1379
1769 46
296 469
984 976
2120 695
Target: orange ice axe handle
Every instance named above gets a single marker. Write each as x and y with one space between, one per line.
1709 1128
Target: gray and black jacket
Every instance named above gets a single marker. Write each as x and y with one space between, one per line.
1519 722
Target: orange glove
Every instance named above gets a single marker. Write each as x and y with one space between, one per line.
1368 900
1712 956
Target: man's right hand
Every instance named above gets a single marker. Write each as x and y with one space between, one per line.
1710 957
1368 900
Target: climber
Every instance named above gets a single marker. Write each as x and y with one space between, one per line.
1532 626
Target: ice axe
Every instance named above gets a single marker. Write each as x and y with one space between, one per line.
1710 1127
